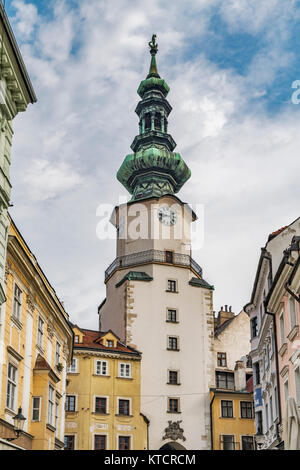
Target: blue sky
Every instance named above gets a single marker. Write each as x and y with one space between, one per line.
230 66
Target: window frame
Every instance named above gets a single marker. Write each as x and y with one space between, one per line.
247 437
245 409
101 367
124 437
124 399
170 343
220 359
33 409
40 331
70 371
17 301
51 405
170 283
106 441
173 371
12 384
169 407
228 408
69 396
127 365
73 436
101 397
169 317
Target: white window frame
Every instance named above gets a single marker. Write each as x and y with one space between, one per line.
96 367
107 403
76 402
292 312
74 370
297 384
282 328
125 366
16 312
130 405
51 405
13 382
35 408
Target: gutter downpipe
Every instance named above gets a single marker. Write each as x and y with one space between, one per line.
211 423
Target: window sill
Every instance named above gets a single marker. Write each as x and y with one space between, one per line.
172 291
71 412
170 349
124 416
174 412
170 321
126 378
10 411
170 383
73 373
99 413
50 427
101 375
227 417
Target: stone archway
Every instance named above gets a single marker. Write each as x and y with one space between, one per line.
172 445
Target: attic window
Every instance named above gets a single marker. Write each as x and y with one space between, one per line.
76 339
109 343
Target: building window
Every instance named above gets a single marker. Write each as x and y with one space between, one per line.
36 408
173 405
172 286
40 334
286 390
254 329
259 423
124 370
225 380
246 409
124 407
50 405
267 416
69 442
57 353
282 329
293 316
247 443
11 387
99 442
228 442
297 384
56 417
172 316
76 339
101 368
227 409
221 359
257 373
109 343
124 442
271 410
169 257
70 403
73 367
173 343
173 377
100 405
17 304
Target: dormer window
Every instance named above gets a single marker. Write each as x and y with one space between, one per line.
109 343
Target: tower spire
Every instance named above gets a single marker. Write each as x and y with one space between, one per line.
153 170
153 51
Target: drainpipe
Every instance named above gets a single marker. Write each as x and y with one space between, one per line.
211 423
147 421
277 375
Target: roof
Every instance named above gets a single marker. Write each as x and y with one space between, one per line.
134 276
249 385
91 338
277 232
17 53
224 325
41 363
196 282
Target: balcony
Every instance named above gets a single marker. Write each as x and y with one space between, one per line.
153 256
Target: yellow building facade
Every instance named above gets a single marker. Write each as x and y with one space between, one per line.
36 349
103 395
233 425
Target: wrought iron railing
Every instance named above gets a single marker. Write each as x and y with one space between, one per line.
153 256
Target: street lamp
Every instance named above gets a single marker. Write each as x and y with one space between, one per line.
19 421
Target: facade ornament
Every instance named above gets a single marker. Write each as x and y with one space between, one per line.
174 431
7 272
50 330
30 303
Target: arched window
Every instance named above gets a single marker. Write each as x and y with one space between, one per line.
147 122
157 122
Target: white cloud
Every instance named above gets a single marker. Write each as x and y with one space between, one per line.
25 19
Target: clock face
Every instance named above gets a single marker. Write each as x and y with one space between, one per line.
167 216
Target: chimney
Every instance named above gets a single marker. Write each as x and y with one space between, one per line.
240 376
223 316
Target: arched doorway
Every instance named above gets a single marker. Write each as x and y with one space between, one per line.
172 445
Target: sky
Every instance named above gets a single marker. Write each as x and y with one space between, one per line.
230 66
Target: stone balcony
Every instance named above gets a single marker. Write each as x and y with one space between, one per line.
153 256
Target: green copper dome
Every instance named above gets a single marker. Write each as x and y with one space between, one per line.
154 169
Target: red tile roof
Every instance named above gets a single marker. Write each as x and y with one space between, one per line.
41 363
91 341
277 232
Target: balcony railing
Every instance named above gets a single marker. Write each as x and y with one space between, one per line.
152 256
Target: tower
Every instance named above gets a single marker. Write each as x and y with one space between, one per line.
156 297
